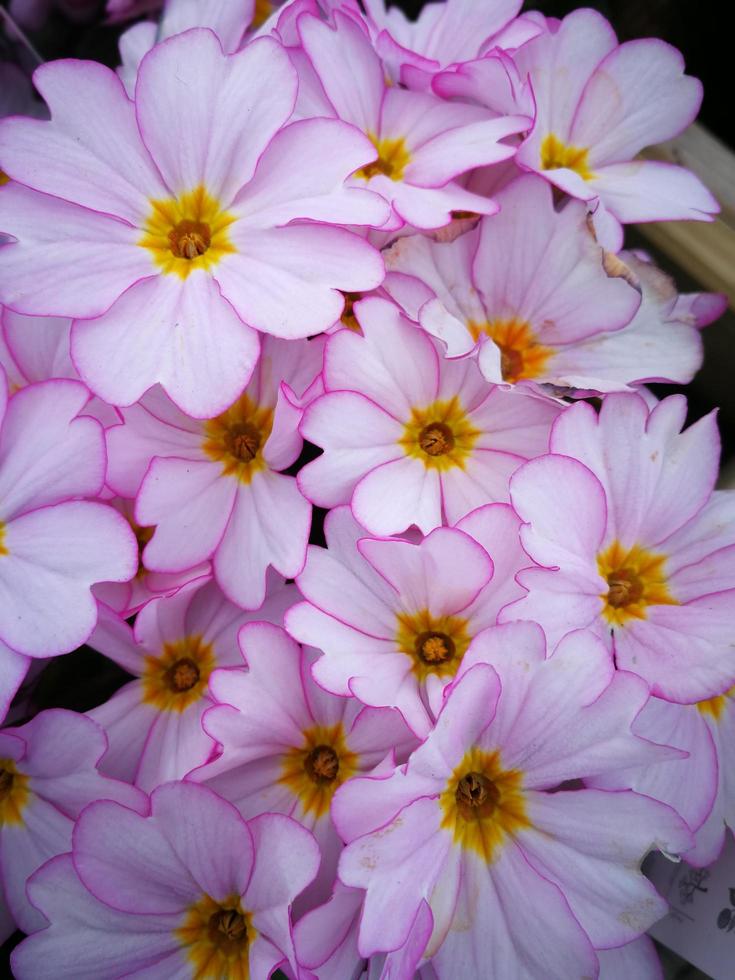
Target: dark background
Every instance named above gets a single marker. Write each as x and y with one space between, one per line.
83 679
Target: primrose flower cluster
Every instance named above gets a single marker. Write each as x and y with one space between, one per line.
313 260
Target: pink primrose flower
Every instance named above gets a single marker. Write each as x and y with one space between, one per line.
633 543
214 489
422 142
598 104
287 745
190 890
173 235
54 545
410 437
394 619
154 723
474 822
48 774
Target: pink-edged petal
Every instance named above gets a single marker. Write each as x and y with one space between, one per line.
68 261
36 472
127 721
637 959
326 937
13 669
189 503
443 574
315 189
684 652
508 928
257 85
639 96
270 516
647 190
54 557
561 602
397 494
90 153
394 364
591 844
564 506
165 328
348 68
356 436
86 939
284 281
127 862
175 744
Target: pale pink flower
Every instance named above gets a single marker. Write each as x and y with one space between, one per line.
167 229
394 618
526 289
422 142
48 774
54 545
475 824
598 104
621 515
154 723
287 745
190 890
443 35
214 489
410 437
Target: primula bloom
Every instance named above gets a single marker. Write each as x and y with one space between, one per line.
47 776
154 723
160 224
191 890
394 619
633 543
423 143
444 34
287 745
598 104
531 280
212 489
701 787
473 823
53 545
408 436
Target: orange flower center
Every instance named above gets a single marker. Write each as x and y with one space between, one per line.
14 793
393 158
217 937
236 438
178 677
521 354
636 579
440 435
556 155
315 769
435 644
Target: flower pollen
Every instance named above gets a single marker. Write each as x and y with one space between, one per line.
440 435
217 937
178 677
393 158
236 438
636 579
521 355
483 803
3 549
187 232
435 644
14 793
715 707
315 769
556 155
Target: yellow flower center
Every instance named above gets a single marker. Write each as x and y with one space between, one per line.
14 793
178 678
636 579
521 355
436 644
556 155
263 10
440 435
217 937
716 706
483 804
318 767
236 438
3 178
393 158
3 549
187 232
